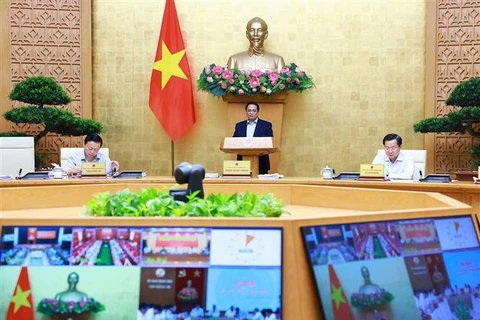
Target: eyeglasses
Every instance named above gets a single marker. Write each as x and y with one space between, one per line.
251 111
390 148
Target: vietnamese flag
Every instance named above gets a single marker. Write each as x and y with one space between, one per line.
21 305
171 94
341 308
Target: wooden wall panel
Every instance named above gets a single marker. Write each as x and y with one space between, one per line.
457 58
50 38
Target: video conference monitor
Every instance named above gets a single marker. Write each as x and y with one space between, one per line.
401 269
141 272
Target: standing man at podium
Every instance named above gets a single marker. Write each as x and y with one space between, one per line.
255 127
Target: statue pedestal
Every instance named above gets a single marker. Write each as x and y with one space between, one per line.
271 109
83 316
383 314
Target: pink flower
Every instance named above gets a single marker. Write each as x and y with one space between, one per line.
274 83
257 73
281 86
254 82
227 74
297 81
209 79
284 70
217 69
263 89
232 89
273 77
223 85
240 92
231 81
301 73
288 80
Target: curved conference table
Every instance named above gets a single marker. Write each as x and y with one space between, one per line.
310 201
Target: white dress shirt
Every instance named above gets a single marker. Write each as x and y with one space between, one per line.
401 169
79 157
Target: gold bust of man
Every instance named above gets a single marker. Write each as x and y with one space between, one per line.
256 58
368 287
72 294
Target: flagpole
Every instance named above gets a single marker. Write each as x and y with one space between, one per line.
172 144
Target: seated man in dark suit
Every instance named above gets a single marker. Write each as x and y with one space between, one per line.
255 127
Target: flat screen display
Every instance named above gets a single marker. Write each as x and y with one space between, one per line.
403 269
146 273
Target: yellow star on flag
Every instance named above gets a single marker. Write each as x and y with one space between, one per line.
337 296
20 299
169 65
196 273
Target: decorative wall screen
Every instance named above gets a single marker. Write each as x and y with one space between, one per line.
457 60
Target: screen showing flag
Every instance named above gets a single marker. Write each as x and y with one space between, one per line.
121 272
402 269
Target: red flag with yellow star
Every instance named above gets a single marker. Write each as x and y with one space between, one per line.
341 308
171 94
21 305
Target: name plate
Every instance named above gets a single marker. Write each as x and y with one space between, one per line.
242 143
93 168
240 168
372 170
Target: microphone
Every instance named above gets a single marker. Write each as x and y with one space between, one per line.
421 174
19 174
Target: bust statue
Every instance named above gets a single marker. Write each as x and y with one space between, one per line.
368 287
72 294
256 58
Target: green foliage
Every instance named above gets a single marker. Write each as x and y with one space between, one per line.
438 125
13 134
465 94
54 120
40 91
475 151
158 203
461 310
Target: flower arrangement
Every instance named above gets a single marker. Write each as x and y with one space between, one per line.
220 80
187 294
371 301
52 307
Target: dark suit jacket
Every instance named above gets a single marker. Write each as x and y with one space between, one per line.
263 129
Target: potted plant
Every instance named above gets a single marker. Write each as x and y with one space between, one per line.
154 202
464 119
43 96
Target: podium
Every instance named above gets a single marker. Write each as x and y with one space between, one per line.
249 148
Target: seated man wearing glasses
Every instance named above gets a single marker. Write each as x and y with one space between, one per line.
90 153
398 166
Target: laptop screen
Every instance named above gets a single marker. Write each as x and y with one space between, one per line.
403 269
